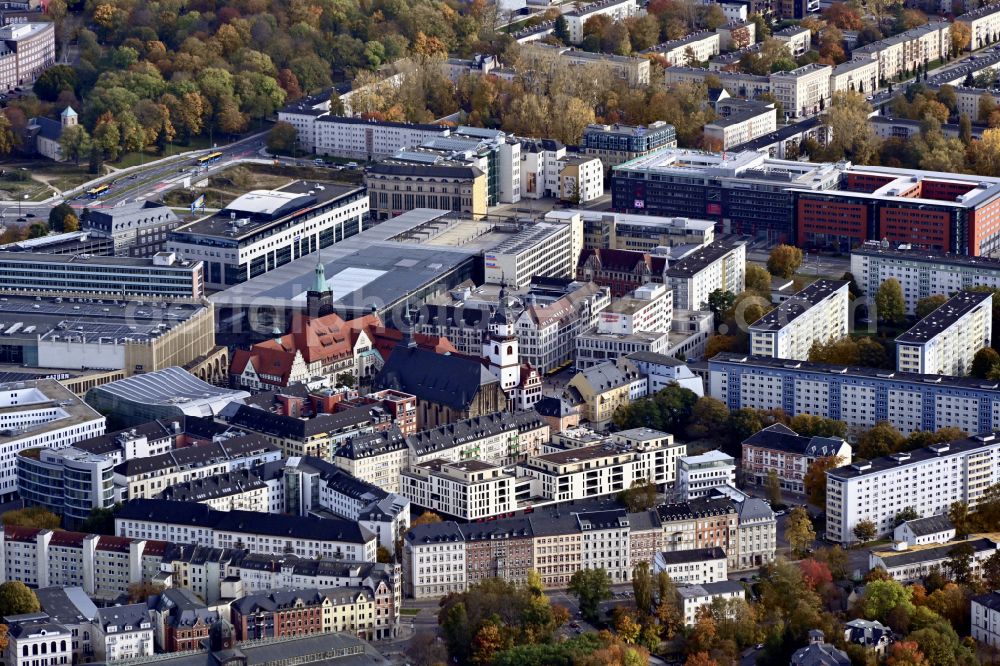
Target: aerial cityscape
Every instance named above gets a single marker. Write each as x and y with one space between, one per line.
500 332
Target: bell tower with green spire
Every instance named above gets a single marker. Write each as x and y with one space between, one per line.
319 299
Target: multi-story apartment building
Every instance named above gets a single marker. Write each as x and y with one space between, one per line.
180 620
859 75
640 322
468 490
692 567
501 438
817 314
148 477
376 457
698 47
615 144
35 634
264 229
123 633
602 469
797 40
69 482
28 49
164 275
541 161
434 560
984 23
945 341
541 249
743 123
581 178
37 414
902 53
363 139
616 10
802 92
779 449
601 389
306 536
985 611
920 273
138 229
691 275
303 612
396 187
928 480
860 397
700 475
695 597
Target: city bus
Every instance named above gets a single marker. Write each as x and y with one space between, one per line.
95 192
208 159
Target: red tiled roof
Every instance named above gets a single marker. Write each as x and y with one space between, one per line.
114 543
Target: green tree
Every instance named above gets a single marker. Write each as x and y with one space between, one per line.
100 520
865 531
810 425
283 138
642 587
772 485
889 302
590 587
561 29
965 129
784 261
32 516
758 280
799 531
959 562
17 599
815 479
986 363
54 81
346 379
709 415
958 514
927 305
8 140
74 142
640 496
907 514
881 439
991 571
883 596
669 410
719 302
58 215
742 424
38 230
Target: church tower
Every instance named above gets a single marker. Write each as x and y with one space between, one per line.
319 299
500 345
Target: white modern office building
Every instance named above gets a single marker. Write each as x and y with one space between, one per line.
929 480
719 265
945 341
817 314
36 414
699 475
264 229
541 249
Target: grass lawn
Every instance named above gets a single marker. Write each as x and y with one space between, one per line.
409 611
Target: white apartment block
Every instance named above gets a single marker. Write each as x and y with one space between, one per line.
500 438
123 632
699 475
648 308
695 597
929 480
740 127
817 314
581 178
40 414
804 91
692 567
919 272
541 164
467 490
984 23
985 613
860 75
602 469
369 139
945 341
595 348
305 536
302 116
797 40
694 48
542 249
605 543
694 276
616 10
434 561
37 642
903 52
